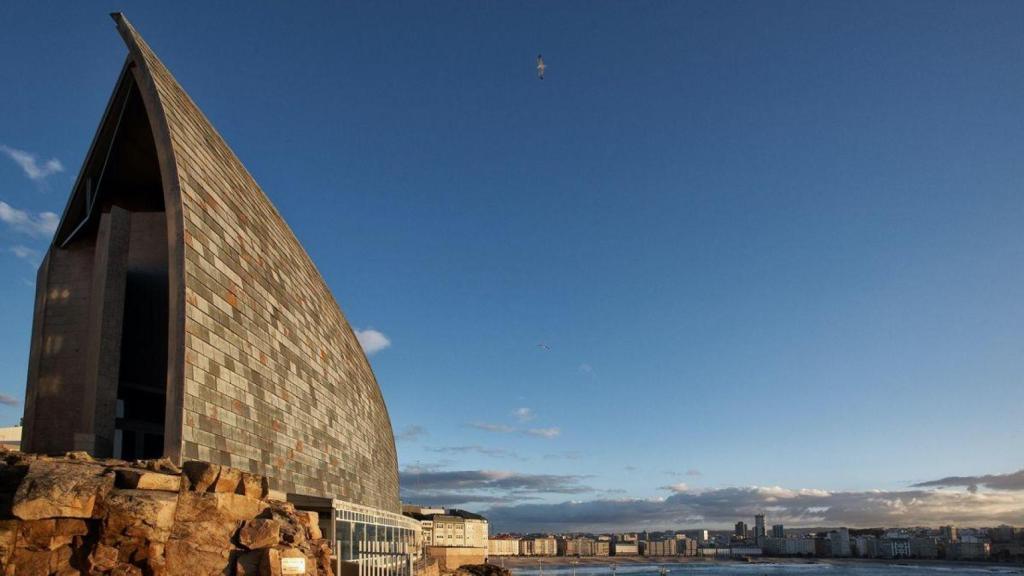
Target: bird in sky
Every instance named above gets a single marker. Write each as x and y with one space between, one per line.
543 346
540 66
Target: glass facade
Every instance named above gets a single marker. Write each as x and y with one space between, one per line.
380 543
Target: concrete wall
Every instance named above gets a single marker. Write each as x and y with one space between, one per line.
449 558
73 367
57 359
426 567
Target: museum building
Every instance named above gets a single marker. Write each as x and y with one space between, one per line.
177 315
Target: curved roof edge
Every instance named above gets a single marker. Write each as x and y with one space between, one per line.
157 115
173 116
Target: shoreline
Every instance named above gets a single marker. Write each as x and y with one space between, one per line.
532 562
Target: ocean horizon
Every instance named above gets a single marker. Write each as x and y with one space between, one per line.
829 568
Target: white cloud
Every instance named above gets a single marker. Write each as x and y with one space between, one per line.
1011 481
411 433
551 432
586 368
502 428
25 253
30 165
484 486
477 449
544 432
42 224
523 414
678 487
8 400
372 341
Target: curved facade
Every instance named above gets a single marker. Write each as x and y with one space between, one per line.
172 279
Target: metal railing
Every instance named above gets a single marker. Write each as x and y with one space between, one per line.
376 562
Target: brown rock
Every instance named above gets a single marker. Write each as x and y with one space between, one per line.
144 515
33 562
128 549
28 562
270 562
103 558
163 465
135 479
155 561
228 480
79 455
60 489
71 527
248 563
35 534
260 533
68 571
252 485
20 458
65 531
201 475
283 506
293 532
311 522
125 569
199 548
324 566
8 539
193 507
38 534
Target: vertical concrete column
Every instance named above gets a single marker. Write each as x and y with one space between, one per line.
106 317
36 351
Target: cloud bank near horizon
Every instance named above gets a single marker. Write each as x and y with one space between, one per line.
720 508
516 503
459 487
1011 481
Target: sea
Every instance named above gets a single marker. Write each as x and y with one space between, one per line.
779 569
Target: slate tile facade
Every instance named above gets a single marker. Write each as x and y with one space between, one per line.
265 374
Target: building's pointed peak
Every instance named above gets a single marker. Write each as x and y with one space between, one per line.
123 25
125 28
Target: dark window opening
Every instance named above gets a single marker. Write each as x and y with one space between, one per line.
123 173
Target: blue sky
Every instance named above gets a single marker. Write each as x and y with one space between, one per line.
765 245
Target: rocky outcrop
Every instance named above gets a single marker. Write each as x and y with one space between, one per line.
76 515
482 570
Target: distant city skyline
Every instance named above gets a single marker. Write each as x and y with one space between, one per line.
723 259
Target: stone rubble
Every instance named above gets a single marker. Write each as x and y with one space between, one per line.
73 514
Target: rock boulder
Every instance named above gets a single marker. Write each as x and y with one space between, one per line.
60 490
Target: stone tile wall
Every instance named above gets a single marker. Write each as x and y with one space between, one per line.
274 380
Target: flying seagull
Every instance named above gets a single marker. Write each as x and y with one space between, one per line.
542 345
540 66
